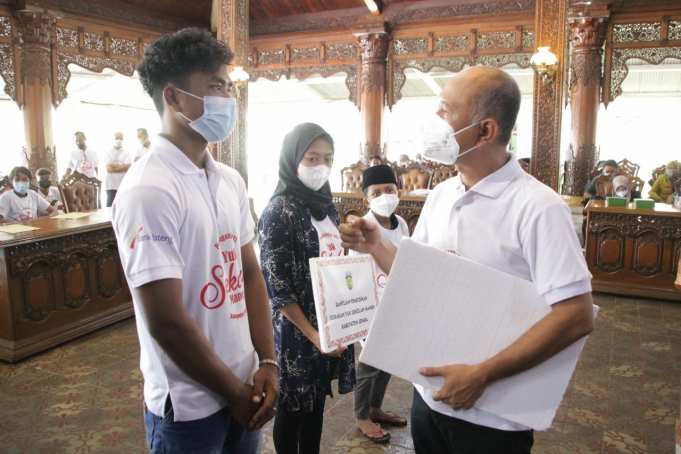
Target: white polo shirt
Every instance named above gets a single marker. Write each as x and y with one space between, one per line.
513 223
175 221
84 162
116 156
20 209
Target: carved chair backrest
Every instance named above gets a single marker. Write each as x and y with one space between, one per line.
80 192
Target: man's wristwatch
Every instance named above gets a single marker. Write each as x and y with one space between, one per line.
271 362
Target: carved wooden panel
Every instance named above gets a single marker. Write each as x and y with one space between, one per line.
110 278
633 253
610 256
647 254
76 278
7 61
550 30
38 285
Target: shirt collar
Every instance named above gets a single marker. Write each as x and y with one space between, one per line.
494 184
176 158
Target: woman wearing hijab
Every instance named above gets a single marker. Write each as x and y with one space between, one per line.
300 222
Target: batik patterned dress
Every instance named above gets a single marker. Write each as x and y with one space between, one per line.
287 241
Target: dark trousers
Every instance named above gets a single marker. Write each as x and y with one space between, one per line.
298 432
435 433
369 390
110 196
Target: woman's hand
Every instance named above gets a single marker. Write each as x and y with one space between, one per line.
337 353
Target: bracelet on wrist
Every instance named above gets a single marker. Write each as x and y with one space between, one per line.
270 362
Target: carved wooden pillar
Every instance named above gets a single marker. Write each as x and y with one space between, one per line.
588 28
374 48
548 98
34 88
231 21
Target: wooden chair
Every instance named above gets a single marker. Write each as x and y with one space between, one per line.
5 185
441 173
637 184
629 168
416 177
80 193
352 177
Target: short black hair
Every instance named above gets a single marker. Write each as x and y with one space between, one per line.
611 163
174 57
43 171
17 170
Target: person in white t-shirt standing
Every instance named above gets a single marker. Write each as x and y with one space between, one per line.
185 238
380 187
83 159
145 143
22 203
118 162
497 215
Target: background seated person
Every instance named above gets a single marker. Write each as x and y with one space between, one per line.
47 189
663 188
591 190
22 203
622 187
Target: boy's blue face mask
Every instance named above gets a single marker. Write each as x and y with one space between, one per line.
218 118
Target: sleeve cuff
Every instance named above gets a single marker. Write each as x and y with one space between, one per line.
247 238
155 274
568 291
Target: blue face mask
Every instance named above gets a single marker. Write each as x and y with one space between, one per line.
218 118
20 187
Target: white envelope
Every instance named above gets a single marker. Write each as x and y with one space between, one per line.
345 295
441 309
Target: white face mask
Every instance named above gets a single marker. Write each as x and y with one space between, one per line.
314 177
118 143
440 144
622 193
384 205
218 118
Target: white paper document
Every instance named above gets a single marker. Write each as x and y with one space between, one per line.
345 298
441 309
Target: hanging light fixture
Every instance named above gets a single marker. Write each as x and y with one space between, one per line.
239 75
545 63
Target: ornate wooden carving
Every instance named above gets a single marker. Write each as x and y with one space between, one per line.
547 98
46 158
453 64
633 253
233 30
59 286
374 51
588 27
619 68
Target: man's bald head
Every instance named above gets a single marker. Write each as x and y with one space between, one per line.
486 92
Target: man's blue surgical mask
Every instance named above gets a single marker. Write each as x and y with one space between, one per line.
20 187
218 118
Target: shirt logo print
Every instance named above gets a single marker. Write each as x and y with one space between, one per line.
132 239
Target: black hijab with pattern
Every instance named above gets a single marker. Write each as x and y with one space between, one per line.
293 149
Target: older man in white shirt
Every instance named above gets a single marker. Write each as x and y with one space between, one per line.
497 215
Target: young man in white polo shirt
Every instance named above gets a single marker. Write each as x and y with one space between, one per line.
497 215
83 159
185 235
118 162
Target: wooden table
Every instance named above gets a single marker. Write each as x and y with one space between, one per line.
634 252
354 203
58 283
